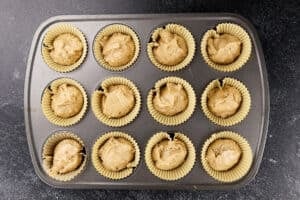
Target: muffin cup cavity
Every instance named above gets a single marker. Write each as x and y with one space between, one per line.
234 30
182 32
51 34
174 174
98 94
46 103
241 113
47 155
97 161
107 31
240 169
180 117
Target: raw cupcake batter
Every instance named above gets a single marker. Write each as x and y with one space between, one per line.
67 49
117 101
67 101
225 101
171 49
67 156
224 48
170 99
117 49
169 154
116 154
223 154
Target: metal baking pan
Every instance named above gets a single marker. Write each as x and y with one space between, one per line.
144 74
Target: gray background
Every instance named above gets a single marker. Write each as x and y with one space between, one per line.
277 24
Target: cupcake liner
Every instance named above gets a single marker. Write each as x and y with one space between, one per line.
185 34
107 31
242 111
51 34
47 156
97 161
174 174
46 103
238 171
235 30
96 103
180 117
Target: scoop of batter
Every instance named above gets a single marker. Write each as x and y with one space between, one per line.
224 48
116 154
169 154
67 156
117 49
67 49
171 49
223 154
117 101
170 99
225 101
67 101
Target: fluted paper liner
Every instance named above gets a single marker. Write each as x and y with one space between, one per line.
180 117
240 169
97 161
53 32
96 102
235 30
177 173
241 113
107 31
47 155
185 34
46 103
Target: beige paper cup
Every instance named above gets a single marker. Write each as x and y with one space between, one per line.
47 156
53 32
174 174
180 117
107 31
98 163
242 111
98 94
185 34
232 29
46 103
239 170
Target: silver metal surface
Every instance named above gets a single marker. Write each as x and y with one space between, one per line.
144 74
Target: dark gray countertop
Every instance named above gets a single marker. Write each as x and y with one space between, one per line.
278 26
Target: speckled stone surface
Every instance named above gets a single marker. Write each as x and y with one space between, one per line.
278 26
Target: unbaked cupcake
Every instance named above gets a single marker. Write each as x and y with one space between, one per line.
172 101
226 156
115 155
117 102
64 156
64 102
169 158
227 48
67 49
116 47
223 48
171 48
64 47
223 154
169 154
226 102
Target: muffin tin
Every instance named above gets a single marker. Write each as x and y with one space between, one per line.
144 74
